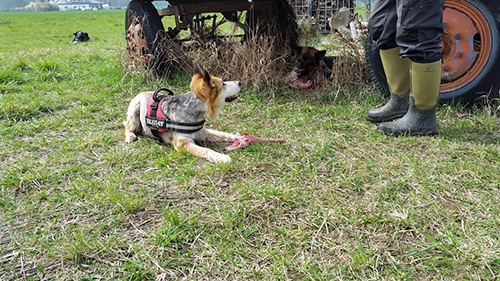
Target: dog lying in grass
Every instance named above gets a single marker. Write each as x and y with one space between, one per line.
185 115
80 36
312 68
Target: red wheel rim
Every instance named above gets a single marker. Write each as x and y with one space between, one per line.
466 45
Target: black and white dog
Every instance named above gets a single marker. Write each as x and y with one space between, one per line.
80 36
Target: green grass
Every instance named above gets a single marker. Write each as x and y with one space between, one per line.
336 201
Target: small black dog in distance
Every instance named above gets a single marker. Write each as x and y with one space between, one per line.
80 36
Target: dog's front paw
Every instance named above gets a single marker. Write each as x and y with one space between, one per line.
219 158
130 137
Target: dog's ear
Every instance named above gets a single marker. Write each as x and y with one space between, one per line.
320 54
208 79
198 70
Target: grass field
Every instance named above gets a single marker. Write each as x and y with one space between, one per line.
336 201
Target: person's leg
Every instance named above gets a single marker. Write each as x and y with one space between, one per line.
382 25
397 72
420 27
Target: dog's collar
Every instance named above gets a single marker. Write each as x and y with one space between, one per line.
159 122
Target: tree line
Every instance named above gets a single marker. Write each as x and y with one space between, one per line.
6 5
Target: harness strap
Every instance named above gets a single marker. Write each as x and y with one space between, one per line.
158 99
154 110
165 124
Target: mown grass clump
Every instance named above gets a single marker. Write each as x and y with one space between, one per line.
261 61
267 60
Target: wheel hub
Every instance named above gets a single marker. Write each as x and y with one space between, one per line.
458 50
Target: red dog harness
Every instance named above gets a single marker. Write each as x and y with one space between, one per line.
159 122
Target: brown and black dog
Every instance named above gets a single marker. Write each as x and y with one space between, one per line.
312 67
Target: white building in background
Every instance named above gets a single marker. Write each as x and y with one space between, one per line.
78 5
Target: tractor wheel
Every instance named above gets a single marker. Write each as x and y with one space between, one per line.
275 18
374 65
142 23
470 51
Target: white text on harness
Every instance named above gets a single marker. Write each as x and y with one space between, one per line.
155 122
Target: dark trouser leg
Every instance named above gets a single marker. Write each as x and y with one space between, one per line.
419 29
383 22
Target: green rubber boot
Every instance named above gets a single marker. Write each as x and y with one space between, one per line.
397 71
420 120
396 107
